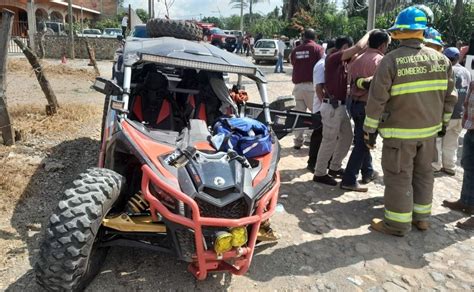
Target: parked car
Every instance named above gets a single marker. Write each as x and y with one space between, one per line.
139 31
235 32
111 32
91 33
218 37
266 50
51 28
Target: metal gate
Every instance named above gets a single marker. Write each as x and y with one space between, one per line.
14 48
19 30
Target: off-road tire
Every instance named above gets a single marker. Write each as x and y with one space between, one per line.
49 31
69 256
180 29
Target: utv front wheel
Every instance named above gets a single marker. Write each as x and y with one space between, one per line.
70 256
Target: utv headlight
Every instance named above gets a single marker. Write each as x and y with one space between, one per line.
239 236
223 242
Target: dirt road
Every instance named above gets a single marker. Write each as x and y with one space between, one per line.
325 241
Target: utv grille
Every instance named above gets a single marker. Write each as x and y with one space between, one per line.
219 194
234 210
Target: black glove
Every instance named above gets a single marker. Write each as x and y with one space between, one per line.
363 83
442 133
370 139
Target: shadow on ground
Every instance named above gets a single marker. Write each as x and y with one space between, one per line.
132 269
322 209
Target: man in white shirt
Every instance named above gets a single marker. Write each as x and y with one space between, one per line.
281 46
124 24
318 83
251 43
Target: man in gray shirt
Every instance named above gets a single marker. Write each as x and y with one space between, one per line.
447 146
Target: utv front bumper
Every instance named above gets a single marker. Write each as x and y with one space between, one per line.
237 261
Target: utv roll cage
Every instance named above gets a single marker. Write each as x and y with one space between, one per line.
170 55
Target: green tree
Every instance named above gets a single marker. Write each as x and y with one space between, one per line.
268 27
107 23
275 13
291 7
215 20
232 22
247 4
143 14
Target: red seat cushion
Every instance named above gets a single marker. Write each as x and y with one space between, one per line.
137 108
165 112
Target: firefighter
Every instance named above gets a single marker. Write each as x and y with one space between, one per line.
410 102
433 39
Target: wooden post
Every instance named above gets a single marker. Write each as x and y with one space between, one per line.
91 52
72 53
52 106
30 7
6 127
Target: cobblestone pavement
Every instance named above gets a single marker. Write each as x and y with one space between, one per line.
325 243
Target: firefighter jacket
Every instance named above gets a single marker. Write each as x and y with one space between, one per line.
412 93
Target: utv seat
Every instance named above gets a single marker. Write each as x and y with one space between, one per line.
154 105
198 106
160 117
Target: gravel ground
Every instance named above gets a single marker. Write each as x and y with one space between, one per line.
325 241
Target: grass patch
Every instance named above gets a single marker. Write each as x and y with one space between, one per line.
55 70
32 119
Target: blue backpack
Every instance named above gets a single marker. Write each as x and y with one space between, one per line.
247 137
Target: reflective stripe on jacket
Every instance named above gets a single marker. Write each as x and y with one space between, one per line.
412 93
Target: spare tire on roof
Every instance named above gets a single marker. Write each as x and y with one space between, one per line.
181 29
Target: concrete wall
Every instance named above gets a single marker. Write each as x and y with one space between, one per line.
57 46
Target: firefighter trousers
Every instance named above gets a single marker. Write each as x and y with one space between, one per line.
408 179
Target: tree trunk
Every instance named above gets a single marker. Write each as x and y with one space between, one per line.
6 126
458 8
251 11
291 9
53 105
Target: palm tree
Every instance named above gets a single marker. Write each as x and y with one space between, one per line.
246 3
290 7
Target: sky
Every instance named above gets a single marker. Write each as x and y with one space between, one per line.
194 9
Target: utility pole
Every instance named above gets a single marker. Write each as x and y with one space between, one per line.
371 15
152 15
149 7
242 17
239 81
72 54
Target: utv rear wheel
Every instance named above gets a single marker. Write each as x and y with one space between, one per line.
174 28
70 255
